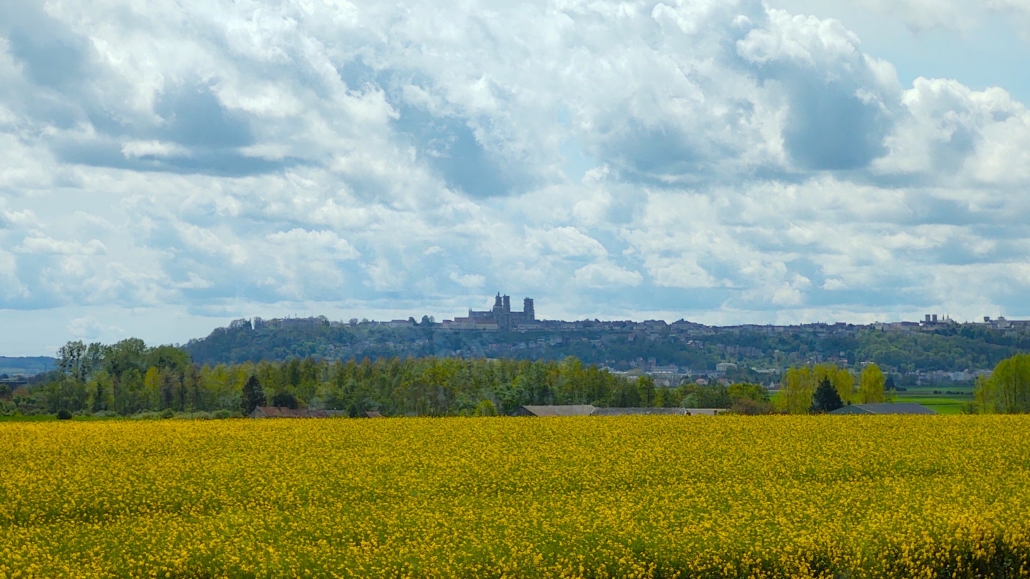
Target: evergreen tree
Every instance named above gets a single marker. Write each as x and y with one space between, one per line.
253 395
825 398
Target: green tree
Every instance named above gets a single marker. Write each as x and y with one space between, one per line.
284 400
485 408
705 396
646 388
840 378
749 391
253 395
101 392
1008 389
797 387
825 399
871 385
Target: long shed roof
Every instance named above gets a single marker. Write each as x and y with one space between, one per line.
884 408
283 412
558 410
589 410
624 411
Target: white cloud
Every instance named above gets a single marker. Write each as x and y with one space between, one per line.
469 280
565 242
44 244
319 244
87 327
950 131
606 275
834 284
153 149
814 42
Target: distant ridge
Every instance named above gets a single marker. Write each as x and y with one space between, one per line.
26 365
930 351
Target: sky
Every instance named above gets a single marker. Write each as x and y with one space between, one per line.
169 166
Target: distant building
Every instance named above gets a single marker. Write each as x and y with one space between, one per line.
629 411
13 382
283 412
705 411
500 315
557 410
884 408
590 410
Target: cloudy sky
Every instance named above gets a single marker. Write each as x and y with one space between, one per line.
168 166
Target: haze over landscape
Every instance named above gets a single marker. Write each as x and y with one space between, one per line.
171 166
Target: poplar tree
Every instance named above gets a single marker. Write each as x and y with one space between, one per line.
871 385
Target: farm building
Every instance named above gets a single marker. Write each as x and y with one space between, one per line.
625 411
558 410
589 410
705 411
885 408
283 412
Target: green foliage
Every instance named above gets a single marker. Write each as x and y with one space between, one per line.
799 385
130 379
284 399
872 385
64 415
946 347
749 398
949 348
797 388
253 395
750 407
646 390
706 396
749 391
825 398
1007 391
485 408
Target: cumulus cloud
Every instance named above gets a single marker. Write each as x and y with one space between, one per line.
565 242
746 162
469 280
606 275
920 16
44 244
87 327
950 133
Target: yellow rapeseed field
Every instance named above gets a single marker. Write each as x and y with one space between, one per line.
634 496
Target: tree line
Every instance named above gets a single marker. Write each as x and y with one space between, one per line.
129 378
827 387
1007 390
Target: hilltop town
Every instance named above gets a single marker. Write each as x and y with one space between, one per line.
934 350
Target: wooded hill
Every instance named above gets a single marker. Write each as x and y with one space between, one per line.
623 345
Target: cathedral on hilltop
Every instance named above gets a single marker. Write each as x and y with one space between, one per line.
502 315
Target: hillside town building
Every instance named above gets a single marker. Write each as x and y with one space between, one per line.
499 317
